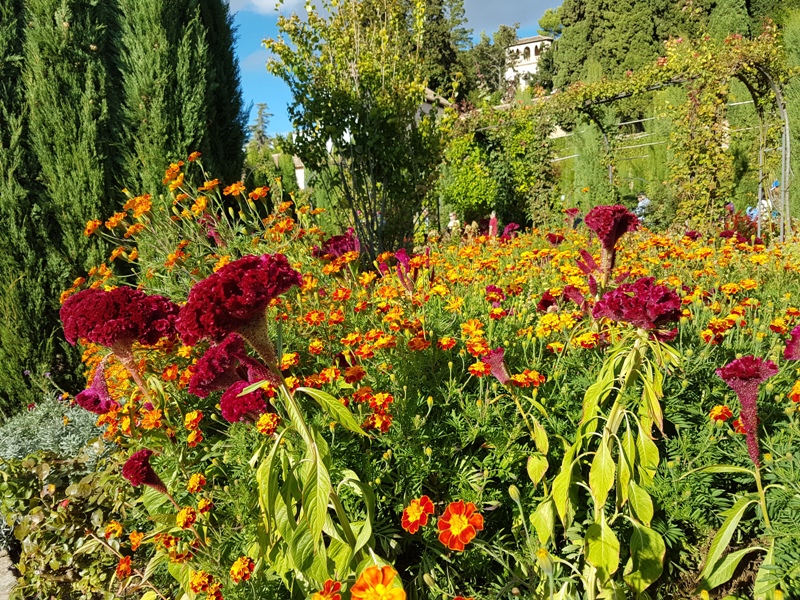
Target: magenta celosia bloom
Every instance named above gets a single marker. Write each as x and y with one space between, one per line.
586 263
792 351
118 317
743 376
138 471
509 232
247 408
572 293
554 239
495 360
234 296
337 245
547 302
610 223
223 365
96 398
641 303
692 235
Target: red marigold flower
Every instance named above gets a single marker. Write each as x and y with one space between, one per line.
242 568
738 427
378 421
479 369
247 408
376 583
495 360
743 376
118 317
446 343
330 591
417 344
200 581
96 398
235 296
494 294
354 374
642 304
267 423
416 514
186 517
792 351
554 239
459 524
720 413
196 483
123 570
137 471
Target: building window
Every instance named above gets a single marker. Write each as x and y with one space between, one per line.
537 50
526 54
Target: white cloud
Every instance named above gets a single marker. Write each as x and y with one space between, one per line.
255 61
266 7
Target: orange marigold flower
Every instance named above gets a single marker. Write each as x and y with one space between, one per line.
341 295
472 328
779 326
354 374
170 373
479 369
136 538
91 227
196 483
316 347
194 156
376 583
204 505
336 317
497 312
200 581
365 351
234 189
115 220
124 567
379 421
151 419
314 317
416 514
208 185
459 524
363 394
478 347
555 347
242 569
738 427
417 344
361 306
720 413
186 517
329 591
172 171
289 360
794 393
258 193
113 529
267 423
351 339
381 401
446 343
192 419
194 438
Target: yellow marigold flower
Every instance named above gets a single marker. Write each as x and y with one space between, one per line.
759 259
113 529
136 538
199 206
234 189
186 517
133 254
586 340
223 260
779 326
151 419
91 227
204 505
258 193
454 304
196 483
472 328
748 284
479 369
192 420
200 581
267 423
172 172
729 289
242 568
194 438
555 347
289 360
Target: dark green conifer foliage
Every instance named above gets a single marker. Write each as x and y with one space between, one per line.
30 267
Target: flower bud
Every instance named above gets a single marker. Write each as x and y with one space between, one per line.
430 401
513 491
428 451
428 580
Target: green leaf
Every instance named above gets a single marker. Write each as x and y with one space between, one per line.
561 490
719 469
723 537
334 408
540 437
153 500
267 480
537 467
601 474
765 585
602 549
648 457
365 531
180 573
641 503
301 548
316 491
543 520
149 596
725 569
647 558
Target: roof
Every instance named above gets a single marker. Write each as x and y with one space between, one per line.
432 97
531 39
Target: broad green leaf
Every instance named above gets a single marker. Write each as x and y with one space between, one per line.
158 559
719 469
723 536
302 548
537 467
540 437
366 492
316 491
341 554
149 596
334 408
641 503
765 585
602 549
180 573
725 569
561 490
543 520
647 558
651 395
267 479
648 457
601 474
255 386
153 500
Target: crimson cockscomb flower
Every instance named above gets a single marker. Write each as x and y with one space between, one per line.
223 365
610 223
337 245
96 398
743 376
118 318
792 351
138 471
234 299
247 408
642 303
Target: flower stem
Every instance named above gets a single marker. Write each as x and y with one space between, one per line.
762 496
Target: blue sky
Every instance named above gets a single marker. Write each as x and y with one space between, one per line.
257 19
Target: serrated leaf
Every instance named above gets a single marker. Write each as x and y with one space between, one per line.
537 467
602 549
646 563
641 503
723 537
725 569
334 408
601 474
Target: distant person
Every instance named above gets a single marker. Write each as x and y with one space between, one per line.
643 206
454 224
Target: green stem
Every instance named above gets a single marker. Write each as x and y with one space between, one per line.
762 496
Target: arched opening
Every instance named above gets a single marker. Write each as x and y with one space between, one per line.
537 49
526 54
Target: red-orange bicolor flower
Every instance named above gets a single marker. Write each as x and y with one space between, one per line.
329 591
459 525
416 514
376 583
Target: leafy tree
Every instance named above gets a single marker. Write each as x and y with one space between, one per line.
488 61
550 23
357 87
438 51
729 16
